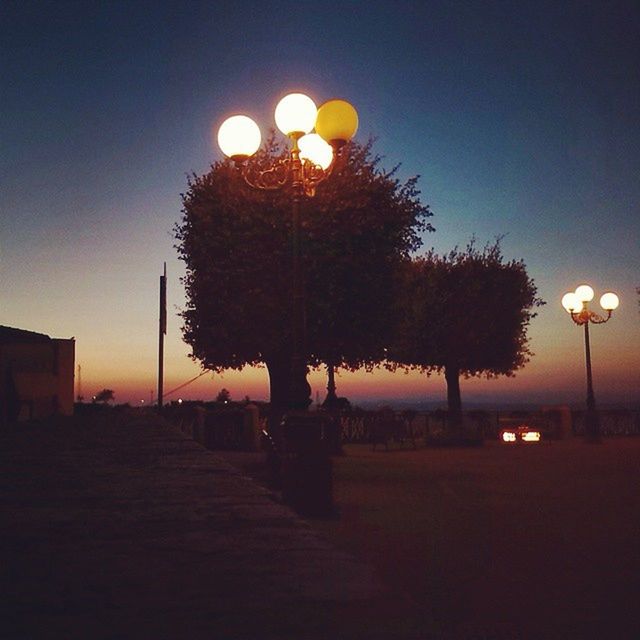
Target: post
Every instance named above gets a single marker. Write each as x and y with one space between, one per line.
299 389
79 397
332 398
592 423
162 329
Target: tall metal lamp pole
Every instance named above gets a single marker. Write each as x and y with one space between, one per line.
576 303
310 160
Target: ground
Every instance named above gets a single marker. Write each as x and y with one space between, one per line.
129 529
119 526
501 541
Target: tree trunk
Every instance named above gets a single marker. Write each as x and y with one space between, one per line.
279 369
454 402
299 389
281 398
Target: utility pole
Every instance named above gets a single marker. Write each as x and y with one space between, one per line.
79 396
162 330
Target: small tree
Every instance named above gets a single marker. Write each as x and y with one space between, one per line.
223 396
465 313
105 396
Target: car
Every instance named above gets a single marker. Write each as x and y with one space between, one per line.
521 433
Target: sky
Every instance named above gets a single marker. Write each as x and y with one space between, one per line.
522 119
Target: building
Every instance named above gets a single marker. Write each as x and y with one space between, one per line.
36 375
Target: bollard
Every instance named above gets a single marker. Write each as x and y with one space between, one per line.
251 428
307 480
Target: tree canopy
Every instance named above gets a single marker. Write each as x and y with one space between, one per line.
467 313
223 395
235 243
104 396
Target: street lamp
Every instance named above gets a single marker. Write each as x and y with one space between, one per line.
310 160
576 303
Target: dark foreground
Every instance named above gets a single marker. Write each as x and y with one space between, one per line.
128 529
534 541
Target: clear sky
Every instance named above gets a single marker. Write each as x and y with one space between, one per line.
522 118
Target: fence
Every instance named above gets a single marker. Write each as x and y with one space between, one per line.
554 422
237 427
240 427
613 422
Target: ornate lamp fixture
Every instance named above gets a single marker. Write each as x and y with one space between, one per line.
310 160
311 157
576 303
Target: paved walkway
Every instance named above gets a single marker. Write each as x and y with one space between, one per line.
132 530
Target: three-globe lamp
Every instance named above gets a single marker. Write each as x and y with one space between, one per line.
574 301
296 115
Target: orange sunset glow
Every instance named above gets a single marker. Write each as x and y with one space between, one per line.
555 373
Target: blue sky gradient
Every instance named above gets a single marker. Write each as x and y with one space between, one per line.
523 120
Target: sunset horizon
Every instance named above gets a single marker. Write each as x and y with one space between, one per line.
522 124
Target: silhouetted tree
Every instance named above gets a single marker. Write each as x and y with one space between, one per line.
104 396
235 243
223 396
465 313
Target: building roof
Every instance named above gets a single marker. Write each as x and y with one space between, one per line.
10 335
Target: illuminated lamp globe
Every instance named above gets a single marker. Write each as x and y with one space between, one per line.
571 302
584 293
337 122
296 114
239 137
609 301
316 150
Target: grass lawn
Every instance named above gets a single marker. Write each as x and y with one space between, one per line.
526 541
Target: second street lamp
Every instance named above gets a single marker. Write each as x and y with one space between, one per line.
310 160
576 303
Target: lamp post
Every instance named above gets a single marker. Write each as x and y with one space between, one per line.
310 160
576 303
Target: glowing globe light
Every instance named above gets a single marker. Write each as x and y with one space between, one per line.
316 150
337 121
571 302
296 114
584 293
609 301
239 137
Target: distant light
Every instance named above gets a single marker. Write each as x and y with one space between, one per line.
523 434
584 293
179 400
609 301
239 137
315 149
141 401
296 113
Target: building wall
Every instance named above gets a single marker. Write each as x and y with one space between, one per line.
36 379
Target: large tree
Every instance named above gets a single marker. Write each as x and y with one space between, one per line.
465 313
235 243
